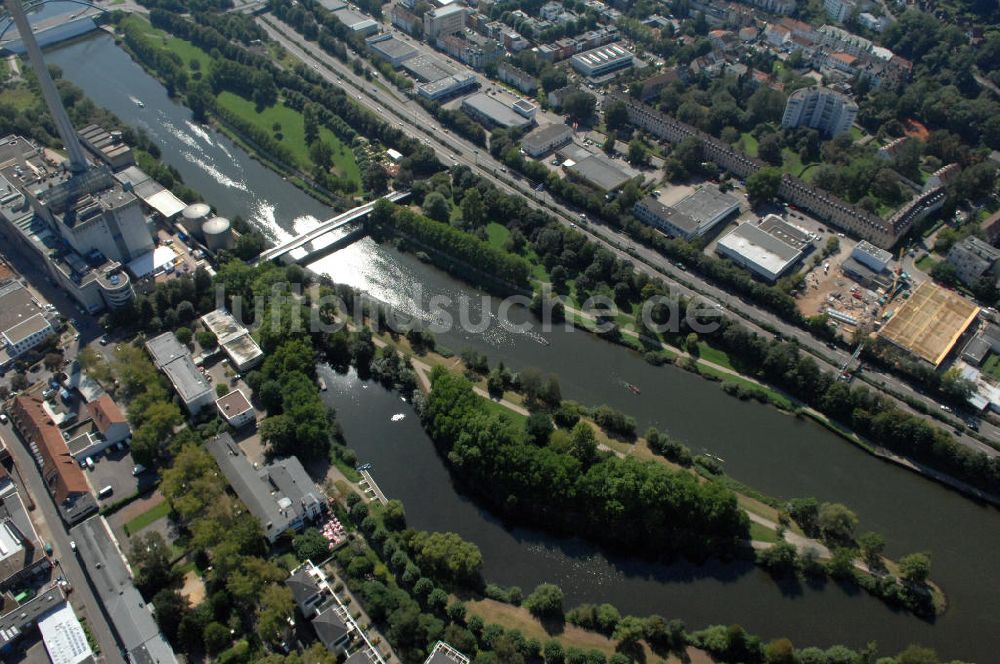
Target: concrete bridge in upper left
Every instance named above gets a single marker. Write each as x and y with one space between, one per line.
303 247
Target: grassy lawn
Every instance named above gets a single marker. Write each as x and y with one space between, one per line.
713 355
492 405
147 517
926 263
293 133
775 397
497 235
857 133
992 365
19 96
762 533
749 144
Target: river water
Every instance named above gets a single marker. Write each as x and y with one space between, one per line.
775 453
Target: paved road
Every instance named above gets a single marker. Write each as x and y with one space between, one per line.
451 149
82 599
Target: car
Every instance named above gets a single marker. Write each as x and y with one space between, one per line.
72 546
103 340
945 408
3 418
89 463
106 492
138 469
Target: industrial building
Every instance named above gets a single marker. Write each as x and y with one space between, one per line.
280 495
709 207
601 61
157 197
174 359
131 618
986 341
392 50
667 219
545 139
930 323
757 250
107 146
355 22
828 111
447 87
492 112
597 171
444 21
427 68
234 339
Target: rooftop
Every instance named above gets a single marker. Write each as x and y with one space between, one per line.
707 204
545 135
494 110
64 638
392 48
445 654
233 337
427 68
760 247
669 214
331 627
869 249
600 172
788 233
174 359
930 322
106 413
234 403
276 495
131 619
14 623
17 305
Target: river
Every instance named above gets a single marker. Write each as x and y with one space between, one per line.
770 451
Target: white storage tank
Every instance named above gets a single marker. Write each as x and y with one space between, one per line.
193 216
218 233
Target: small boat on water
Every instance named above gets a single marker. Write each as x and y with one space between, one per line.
634 389
138 102
322 384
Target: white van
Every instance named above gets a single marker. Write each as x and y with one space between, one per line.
105 492
90 463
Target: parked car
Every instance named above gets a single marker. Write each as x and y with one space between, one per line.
139 469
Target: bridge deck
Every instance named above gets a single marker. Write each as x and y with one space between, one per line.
327 226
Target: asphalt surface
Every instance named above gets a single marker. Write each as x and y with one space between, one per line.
411 118
68 564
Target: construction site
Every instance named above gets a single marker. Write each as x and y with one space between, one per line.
930 323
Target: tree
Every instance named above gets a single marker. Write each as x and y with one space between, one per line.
638 153
473 209
276 608
779 651
629 631
872 545
546 601
436 207
769 149
538 426
915 568
151 559
609 143
52 361
321 155
945 272
170 608
216 638
917 655
207 340
836 523
616 116
763 185
778 558
579 105
311 545
447 556
583 443
19 382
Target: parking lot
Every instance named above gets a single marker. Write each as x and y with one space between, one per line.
113 468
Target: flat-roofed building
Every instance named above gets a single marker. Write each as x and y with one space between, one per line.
108 146
788 233
598 171
930 322
236 409
545 139
392 50
281 496
427 68
447 87
234 339
444 21
355 22
758 251
871 256
601 61
708 206
974 259
174 359
63 636
667 219
23 323
443 653
492 112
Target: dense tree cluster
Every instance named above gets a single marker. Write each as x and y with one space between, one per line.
622 502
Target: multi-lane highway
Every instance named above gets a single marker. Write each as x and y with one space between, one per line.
394 105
